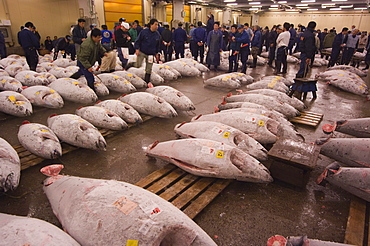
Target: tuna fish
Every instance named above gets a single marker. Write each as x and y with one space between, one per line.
349 69
154 77
224 80
267 101
225 106
350 151
30 78
149 104
292 59
18 230
166 72
261 128
133 78
3 73
101 117
209 158
49 77
268 84
72 90
10 167
174 97
222 133
293 101
116 83
40 69
60 72
48 65
74 130
195 64
43 96
123 110
352 179
356 127
118 213
39 140
14 103
243 78
62 62
278 240
274 78
8 83
100 88
14 69
184 68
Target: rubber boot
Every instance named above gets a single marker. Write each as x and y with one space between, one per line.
285 67
129 65
76 75
230 67
147 77
254 63
244 68
236 67
277 67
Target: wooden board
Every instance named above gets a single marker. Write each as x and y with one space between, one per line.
357 231
188 192
308 118
28 159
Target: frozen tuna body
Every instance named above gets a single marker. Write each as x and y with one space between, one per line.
39 140
43 96
222 133
118 212
357 127
268 84
17 230
10 167
14 103
30 78
225 81
76 131
123 110
278 240
8 83
116 83
133 78
73 90
184 68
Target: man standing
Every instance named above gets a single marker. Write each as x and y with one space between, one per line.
2 46
30 45
282 43
210 23
225 36
339 42
293 36
351 46
63 45
147 46
199 37
79 34
179 38
249 30
123 41
88 53
191 40
272 44
48 44
307 48
256 44
245 42
234 49
166 43
133 31
214 42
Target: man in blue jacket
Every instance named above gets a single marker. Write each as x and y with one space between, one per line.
293 36
214 43
147 46
234 49
339 42
199 38
244 41
30 45
307 47
256 44
179 38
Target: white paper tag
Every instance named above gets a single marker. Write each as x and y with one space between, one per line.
145 227
217 130
207 150
150 208
250 119
150 59
125 52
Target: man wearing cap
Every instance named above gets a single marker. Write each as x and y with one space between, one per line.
245 42
307 48
199 38
123 41
282 43
147 46
79 34
166 43
63 45
28 40
272 45
234 49
256 44
117 26
179 38
90 51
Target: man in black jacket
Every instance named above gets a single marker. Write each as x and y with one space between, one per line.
30 45
123 41
339 43
166 43
271 42
79 34
307 47
63 45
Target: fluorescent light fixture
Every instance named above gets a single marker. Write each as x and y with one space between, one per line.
231 4
328 4
254 9
257 6
229 1
308 1
339 0
335 9
205 4
282 2
292 10
360 8
274 6
312 9
192 2
346 6
301 5
254 3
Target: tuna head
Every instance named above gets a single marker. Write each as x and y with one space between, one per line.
52 100
89 134
330 170
9 175
251 146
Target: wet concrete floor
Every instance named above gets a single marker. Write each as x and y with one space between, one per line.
244 213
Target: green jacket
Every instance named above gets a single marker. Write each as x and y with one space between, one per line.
89 52
133 34
328 40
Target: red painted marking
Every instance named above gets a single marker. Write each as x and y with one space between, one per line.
25 122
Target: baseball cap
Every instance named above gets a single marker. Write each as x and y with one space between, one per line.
125 25
68 37
122 19
240 26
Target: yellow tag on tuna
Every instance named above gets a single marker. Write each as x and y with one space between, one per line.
226 134
19 102
340 75
272 84
75 83
3 81
52 91
127 82
224 79
27 76
43 130
12 98
37 93
131 242
116 77
167 67
261 123
129 74
220 154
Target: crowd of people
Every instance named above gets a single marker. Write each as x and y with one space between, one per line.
152 40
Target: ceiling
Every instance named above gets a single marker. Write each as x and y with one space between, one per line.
288 5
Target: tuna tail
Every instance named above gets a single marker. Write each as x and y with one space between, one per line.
52 170
229 94
240 91
223 101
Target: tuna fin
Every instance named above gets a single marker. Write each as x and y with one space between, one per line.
24 87
150 85
25 122
198 117
277 240
180 125
52 170
240 91
98 102
52 115
216 109
153 145
229 94
223 101
322 177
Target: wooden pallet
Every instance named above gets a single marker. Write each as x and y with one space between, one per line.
28 159
308 118
357 231
189 193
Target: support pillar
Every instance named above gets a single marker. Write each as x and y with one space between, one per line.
255 18
177 10
226 17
